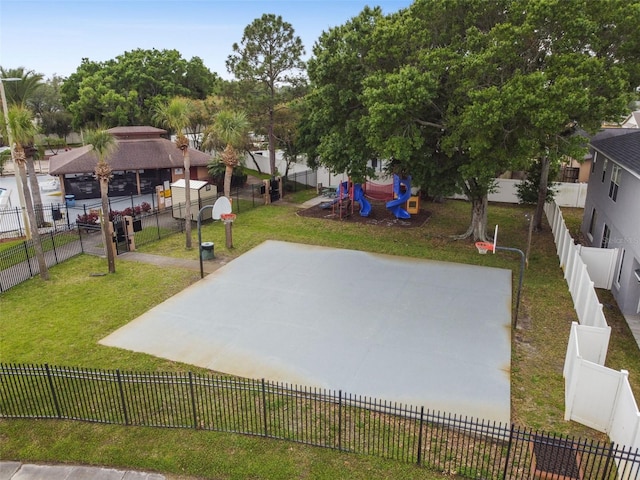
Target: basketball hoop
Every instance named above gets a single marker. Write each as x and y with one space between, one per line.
227 217
484 247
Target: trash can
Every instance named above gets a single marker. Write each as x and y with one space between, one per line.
70 200
56 214
207 250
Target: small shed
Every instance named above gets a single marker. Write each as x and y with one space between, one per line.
202 193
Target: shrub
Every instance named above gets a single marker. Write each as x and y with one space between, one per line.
90 218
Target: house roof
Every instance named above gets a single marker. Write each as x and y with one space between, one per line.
621 145
138 148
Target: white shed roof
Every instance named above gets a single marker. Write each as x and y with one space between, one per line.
193 184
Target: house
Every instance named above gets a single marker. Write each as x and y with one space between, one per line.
144 159
612 209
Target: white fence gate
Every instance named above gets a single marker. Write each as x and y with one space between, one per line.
601 264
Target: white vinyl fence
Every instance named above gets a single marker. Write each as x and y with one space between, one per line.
595 395
567 194
324 176
601 264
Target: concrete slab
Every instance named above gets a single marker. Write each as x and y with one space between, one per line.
19 471
92 473
50 472
419 332
7 469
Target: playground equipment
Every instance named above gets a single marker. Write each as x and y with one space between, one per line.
358 196
396 196
402 195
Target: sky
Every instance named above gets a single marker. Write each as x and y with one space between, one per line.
53 36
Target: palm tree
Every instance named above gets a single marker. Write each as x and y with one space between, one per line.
229 129
104 144
20 93
23 130
176 116
23 91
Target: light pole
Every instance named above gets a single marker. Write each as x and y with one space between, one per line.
17 173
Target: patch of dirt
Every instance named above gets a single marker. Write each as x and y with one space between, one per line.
379 215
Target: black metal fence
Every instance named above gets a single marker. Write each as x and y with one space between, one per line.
350 423
18 262
300 181
67 231
65 215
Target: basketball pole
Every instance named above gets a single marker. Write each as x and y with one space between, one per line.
522 265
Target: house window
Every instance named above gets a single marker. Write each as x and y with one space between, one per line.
616 174
592 223
604 169
605 237
620 267
593 162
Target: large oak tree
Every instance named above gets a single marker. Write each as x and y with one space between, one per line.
125 90
456 92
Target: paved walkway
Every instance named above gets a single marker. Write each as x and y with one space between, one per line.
208 266
20 471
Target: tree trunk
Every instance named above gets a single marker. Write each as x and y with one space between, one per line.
107 234
187 198
35 233
543 188
228 173
272 144
478 227
35 192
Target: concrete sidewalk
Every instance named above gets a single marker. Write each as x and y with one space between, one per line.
208 266
20 471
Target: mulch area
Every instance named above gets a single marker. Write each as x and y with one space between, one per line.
379 216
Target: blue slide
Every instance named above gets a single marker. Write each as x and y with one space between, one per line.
396 205
358 196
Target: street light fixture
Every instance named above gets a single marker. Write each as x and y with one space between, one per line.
17 173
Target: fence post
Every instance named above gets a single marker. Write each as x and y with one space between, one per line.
264 409
122 399
18 215
26 252
420 436
53 243
339 420
193 401
607 464
53 391
509 445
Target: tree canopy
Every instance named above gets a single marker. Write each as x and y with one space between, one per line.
267 63
455 92
21 91
126 90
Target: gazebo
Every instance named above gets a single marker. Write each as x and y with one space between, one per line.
144 158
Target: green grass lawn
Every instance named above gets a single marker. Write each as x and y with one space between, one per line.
60 322
14 252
